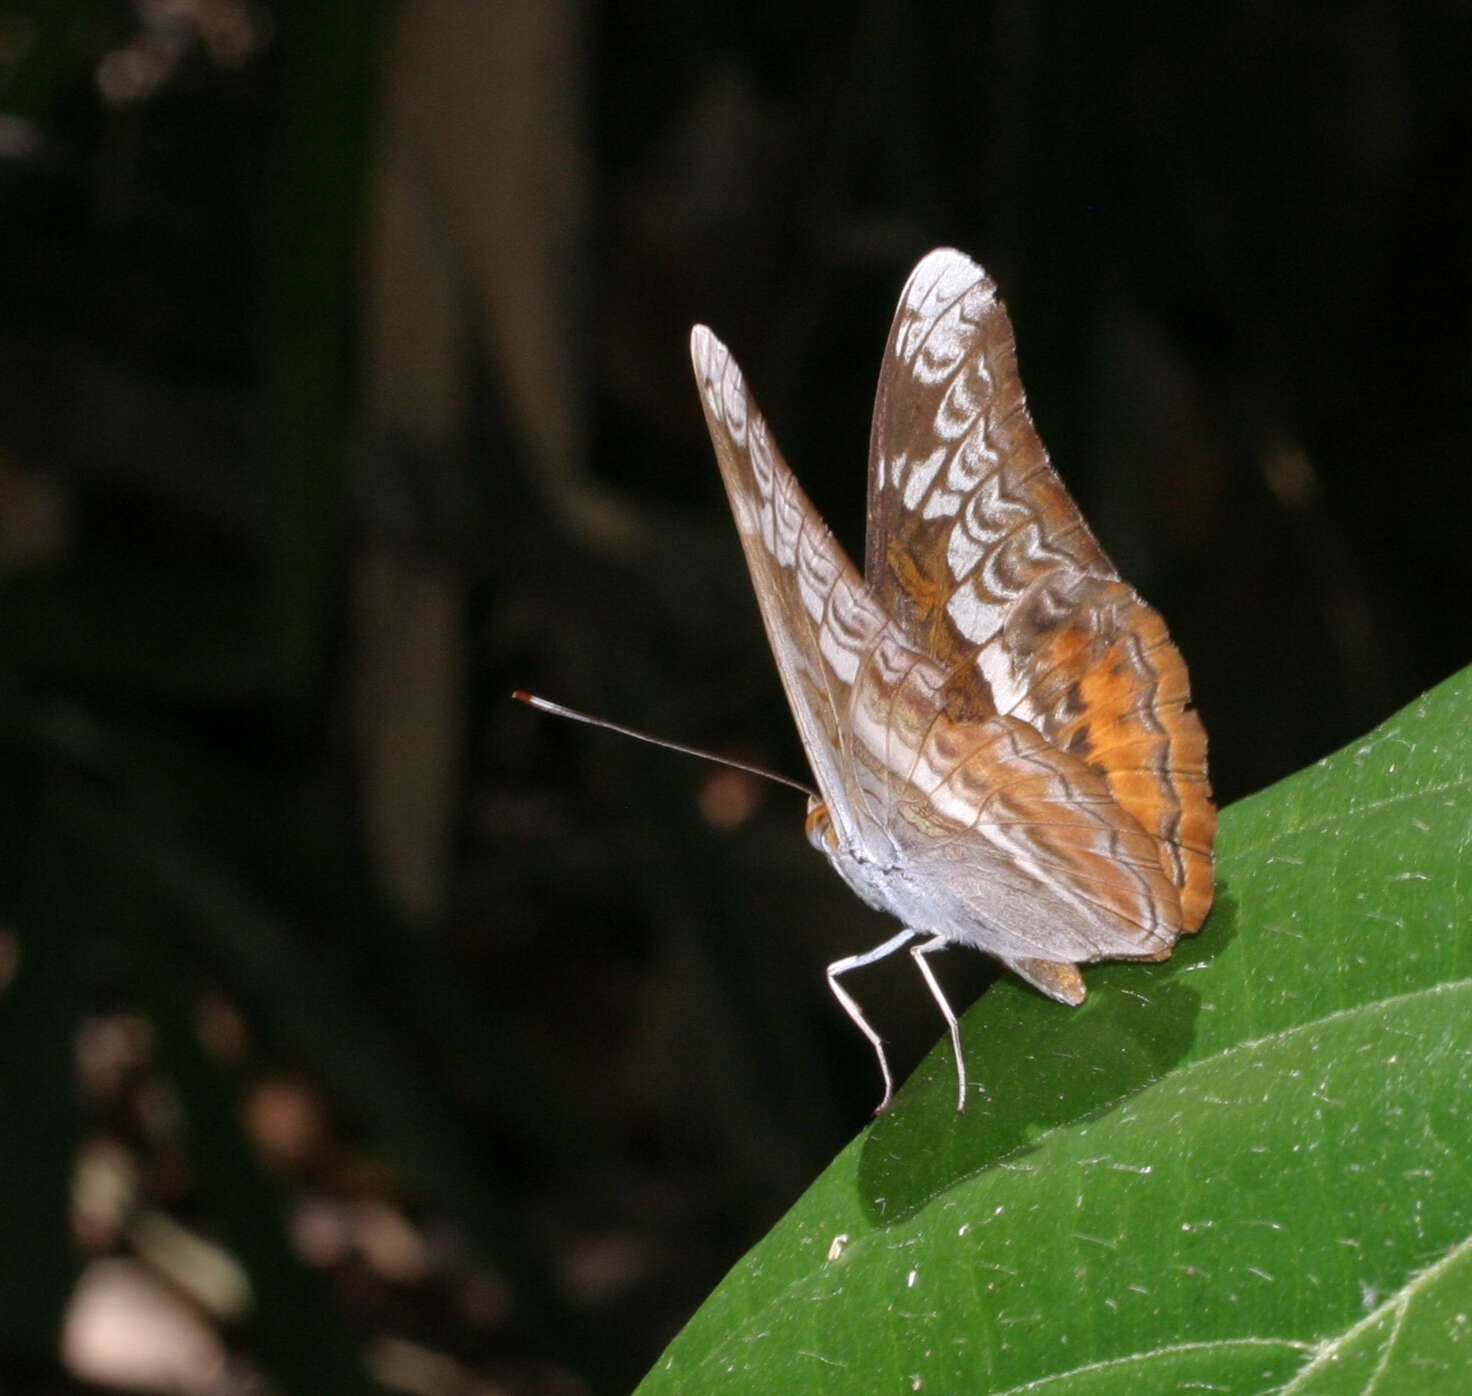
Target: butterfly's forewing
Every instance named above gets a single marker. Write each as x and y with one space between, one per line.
819 616
980 555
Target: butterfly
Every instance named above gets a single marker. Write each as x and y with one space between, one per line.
998 726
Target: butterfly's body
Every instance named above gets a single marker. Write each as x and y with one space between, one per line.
998 726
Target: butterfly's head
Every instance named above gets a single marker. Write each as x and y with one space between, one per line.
819 827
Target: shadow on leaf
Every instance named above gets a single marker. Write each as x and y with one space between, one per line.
1038 1066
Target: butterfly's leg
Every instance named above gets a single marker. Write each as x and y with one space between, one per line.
856 1013
918 954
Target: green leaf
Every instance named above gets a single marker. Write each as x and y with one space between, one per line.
1248 1169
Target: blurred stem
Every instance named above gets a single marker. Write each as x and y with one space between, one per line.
315 217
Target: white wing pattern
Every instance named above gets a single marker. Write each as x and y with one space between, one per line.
996 723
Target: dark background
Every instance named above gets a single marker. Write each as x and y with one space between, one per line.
344 387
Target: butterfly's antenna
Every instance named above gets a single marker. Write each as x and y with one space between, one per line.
557 710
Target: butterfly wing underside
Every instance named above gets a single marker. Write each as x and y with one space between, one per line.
968 825
978 552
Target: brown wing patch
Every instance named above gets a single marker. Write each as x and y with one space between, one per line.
1106 684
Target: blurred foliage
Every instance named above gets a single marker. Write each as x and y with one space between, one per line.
1235 244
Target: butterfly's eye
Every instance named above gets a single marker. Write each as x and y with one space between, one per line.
819 828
